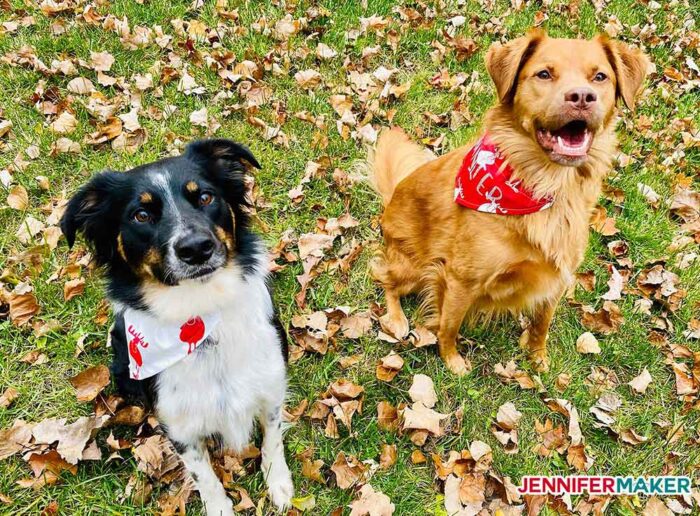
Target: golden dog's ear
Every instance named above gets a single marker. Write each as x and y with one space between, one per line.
504 62
630 65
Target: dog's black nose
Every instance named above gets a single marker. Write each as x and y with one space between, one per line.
581 98
194 249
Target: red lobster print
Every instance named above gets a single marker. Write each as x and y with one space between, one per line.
134 348
192 332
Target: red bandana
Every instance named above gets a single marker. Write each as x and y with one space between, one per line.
484 184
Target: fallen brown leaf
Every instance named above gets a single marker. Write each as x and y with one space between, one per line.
510 373
641 382
567 409
421 337
685 383
348 471
89 383
422 390
71 438
22 308
34 357
607 320
73 288
18 198
387 416
587 343
312 470
505 427
420 417
604 410
389 367
8 397
387 457
15 438
47 468
345 389
371 503
417 457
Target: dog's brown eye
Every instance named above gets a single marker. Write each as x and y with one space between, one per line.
544 75
142 216
205 199
600 77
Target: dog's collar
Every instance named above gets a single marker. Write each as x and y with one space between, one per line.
154 345
484 183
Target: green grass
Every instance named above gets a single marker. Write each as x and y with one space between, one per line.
45 391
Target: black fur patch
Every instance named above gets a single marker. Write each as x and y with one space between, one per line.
281 332
180 448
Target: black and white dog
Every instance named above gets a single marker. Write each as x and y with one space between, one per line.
195 331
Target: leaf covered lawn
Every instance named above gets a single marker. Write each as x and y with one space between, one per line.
375 425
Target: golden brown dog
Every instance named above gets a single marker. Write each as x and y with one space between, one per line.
554 123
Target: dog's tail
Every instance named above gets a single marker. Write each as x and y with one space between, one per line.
393 159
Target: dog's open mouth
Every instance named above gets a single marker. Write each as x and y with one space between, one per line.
570 142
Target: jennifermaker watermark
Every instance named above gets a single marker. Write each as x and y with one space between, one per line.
602 485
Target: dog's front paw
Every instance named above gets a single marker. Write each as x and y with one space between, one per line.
456 364
536 350
219 506
540 362
280 486
396 326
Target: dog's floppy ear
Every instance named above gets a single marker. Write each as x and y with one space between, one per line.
221 153
90 210
504 62
224 162
630 65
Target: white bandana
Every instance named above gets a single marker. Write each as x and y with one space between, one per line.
155 345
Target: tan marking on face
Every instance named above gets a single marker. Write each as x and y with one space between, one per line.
146 197
225 237
120 247
192 186
233 226
152 257
233 217
220 233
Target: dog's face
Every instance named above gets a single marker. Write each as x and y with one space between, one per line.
563 91
175 224
169 221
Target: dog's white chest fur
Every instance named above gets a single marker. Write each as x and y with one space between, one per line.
232 378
